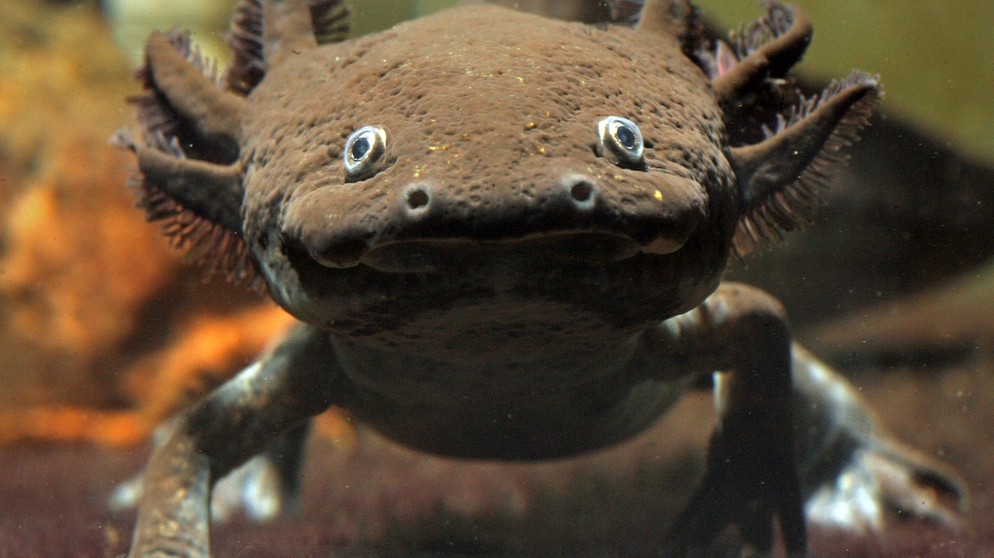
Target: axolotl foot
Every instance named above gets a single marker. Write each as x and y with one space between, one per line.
859 473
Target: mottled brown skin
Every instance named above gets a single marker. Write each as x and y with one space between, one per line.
498 283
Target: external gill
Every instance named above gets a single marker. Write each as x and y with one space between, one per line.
189 145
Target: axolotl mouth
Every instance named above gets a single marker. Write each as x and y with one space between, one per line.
575 220
439 255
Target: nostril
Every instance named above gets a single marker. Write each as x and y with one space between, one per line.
581 190
417 198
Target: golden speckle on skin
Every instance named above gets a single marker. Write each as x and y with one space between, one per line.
530 125
541 151
520 79
658 195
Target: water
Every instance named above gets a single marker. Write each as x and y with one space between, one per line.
105 331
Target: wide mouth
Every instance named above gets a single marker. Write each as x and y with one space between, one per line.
438 255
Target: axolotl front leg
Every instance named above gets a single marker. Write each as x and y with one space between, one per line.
296 381
794 438
751 475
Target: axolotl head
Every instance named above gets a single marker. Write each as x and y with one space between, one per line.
487 162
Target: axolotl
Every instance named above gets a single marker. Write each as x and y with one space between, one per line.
504 238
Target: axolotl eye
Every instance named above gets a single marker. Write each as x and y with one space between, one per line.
363 149
620 141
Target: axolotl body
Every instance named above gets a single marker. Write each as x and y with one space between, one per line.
504 238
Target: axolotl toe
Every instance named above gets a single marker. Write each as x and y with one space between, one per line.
504 238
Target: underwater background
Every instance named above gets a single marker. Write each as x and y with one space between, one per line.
105 331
